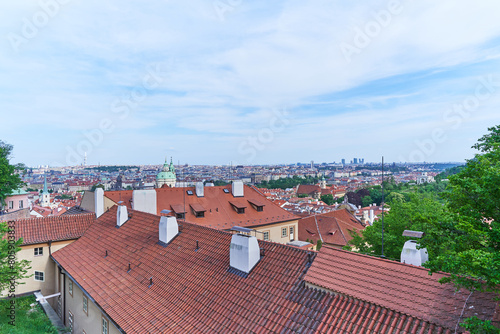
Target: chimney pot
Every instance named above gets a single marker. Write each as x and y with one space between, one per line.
200 190
121 215
237 188
244 252
168 229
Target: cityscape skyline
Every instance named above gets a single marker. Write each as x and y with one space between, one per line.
219 82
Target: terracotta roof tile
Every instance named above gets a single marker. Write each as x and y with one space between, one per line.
219 211
404 288
65 227
191 289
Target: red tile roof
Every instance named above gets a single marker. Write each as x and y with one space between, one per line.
397 287
65 227
219 212
333 226
192 290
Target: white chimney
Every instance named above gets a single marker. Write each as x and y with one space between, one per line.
168 229
121 215
200 191
237 188
99 202
244 252
144 200
372 216
365 216
411 255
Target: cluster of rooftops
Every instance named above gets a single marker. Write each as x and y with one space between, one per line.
151 273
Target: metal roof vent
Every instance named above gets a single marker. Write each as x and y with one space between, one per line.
244 251
168 229
237 188
410 254
200 191
121 214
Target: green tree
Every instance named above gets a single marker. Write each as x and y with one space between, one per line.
366 201
9 177
319 244
328 199
473 252
95 186
419 213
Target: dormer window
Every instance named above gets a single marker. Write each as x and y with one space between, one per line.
257 205
239 207
198 210
178 209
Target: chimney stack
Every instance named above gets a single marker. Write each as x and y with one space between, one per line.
244 252
99 202
410 254
372 216
200 191
121 215
237 188
168 229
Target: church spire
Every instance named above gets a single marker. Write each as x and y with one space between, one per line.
45 184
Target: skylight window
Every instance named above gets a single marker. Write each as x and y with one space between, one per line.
189 192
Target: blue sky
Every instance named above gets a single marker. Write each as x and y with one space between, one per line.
247 82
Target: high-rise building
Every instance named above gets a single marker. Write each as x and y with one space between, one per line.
343 161
355 160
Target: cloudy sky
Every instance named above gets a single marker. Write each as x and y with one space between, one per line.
247 82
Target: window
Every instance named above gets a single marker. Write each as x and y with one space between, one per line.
86 305
104 326
266 235
11 205
199 214
284 232
39 276
226 190
292 230
70 321
70 288
180 215
260 208
21 205
38 251
241 210
189 192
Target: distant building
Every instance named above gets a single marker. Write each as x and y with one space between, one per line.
45 197
167 175
424 178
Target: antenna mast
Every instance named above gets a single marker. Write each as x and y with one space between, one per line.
383 204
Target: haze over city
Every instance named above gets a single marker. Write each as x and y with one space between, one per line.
214 82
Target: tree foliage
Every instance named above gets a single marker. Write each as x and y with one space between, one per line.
419 213
328 199
9 179
473 255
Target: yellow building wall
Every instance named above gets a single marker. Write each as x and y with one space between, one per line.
275 231
89 322
41 263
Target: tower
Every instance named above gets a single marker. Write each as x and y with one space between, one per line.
45 202
167 175
322 183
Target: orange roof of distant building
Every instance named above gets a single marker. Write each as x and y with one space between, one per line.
218 205
334 227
